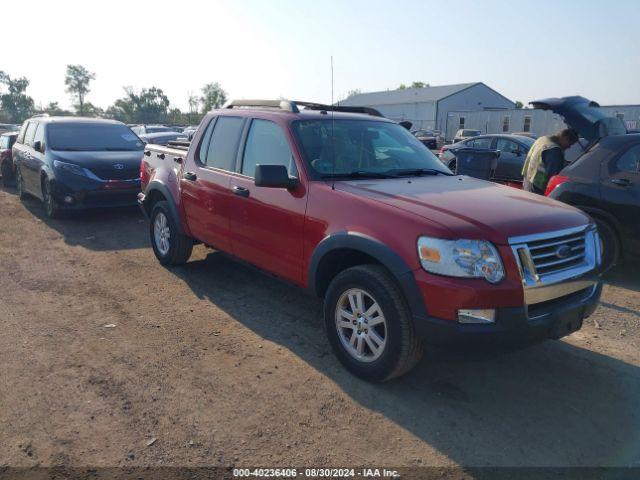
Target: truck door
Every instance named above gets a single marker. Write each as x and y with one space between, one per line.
620 192
205 182
267 223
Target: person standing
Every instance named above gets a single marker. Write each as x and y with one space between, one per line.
546 159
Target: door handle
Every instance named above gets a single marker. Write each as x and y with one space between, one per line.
189 176
623 182
240 191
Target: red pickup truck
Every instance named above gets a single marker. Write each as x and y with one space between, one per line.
353 207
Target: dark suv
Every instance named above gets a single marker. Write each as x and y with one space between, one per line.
72 163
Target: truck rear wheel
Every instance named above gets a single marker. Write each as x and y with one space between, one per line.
610 244
170 246
369 324
7 174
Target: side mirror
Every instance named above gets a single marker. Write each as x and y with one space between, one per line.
37 146
274 176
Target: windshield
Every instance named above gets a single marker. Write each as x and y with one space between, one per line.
343 147
90 137
470 133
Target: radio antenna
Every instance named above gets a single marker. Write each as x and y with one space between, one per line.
333 145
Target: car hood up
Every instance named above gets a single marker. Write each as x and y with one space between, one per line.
584 116
470 208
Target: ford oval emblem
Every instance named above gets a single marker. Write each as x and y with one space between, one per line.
118 166
563 251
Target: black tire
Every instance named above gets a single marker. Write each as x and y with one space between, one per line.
51 207
22 194
7 174
610 244
403 349
179 246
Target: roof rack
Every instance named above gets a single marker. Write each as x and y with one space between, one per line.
292 106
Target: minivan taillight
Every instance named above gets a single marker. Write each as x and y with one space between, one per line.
554 182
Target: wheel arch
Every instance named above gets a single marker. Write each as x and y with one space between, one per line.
605 216
343 250
157 191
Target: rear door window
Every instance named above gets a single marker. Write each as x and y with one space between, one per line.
222 146
266 145
507 146
480 143
629 161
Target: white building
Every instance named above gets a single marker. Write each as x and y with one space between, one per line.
538 122
429 107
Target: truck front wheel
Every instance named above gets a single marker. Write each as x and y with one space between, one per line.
169 244
369 324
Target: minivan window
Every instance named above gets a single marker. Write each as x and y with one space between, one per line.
223 147
266 145
39 136
23 130
30 133
92 137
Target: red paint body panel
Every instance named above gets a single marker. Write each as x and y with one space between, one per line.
278 230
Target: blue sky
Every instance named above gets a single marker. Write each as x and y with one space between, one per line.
272 48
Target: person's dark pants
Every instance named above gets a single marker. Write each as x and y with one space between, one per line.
530 187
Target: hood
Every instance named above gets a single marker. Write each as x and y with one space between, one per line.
100 159
584 116
470 208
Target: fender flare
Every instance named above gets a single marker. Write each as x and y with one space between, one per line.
376 249
158 186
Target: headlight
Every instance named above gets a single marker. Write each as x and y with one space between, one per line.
70 168
461 258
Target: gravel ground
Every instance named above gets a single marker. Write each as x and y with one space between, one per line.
223 365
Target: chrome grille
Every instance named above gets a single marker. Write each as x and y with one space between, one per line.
557 254
556 263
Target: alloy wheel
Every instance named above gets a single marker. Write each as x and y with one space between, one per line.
162 233
361 325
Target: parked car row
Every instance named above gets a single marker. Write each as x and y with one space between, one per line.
359 211
513 152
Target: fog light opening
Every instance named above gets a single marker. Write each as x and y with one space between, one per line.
483 315
68 199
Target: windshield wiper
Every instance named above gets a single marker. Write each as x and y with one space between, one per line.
420 171
359 174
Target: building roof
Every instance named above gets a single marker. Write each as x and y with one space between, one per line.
407 95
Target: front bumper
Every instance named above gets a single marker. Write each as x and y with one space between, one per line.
77 195
552 319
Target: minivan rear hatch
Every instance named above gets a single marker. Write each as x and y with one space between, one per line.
584 116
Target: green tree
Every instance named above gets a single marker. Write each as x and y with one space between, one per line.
15 103
519 104
77 81
419 85
402 86
149 105
54 109
194 102
213 96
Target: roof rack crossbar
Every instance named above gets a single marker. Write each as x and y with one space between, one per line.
281 104
340 108
292 106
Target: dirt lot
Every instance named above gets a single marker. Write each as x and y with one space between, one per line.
223 365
